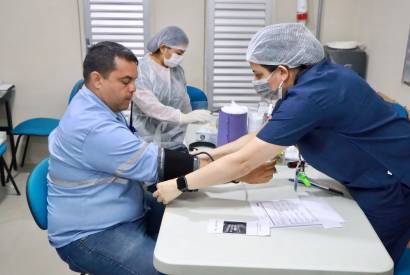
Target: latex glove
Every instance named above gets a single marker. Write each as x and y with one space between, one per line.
195 116
167 191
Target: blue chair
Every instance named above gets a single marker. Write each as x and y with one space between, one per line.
40 126
197 97
401 110
403 267
3 165
36 194
76 88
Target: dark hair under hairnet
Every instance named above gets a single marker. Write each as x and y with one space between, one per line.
290 44
171 36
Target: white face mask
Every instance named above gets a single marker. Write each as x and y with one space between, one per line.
174 61
263 89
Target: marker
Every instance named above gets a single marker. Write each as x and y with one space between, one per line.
304 179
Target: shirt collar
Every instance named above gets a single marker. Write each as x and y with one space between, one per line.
100 103
307 68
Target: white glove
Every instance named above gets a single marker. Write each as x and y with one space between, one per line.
195 116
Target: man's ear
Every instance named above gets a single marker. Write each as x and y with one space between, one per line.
95 80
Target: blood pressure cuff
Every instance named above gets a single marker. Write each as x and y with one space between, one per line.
174 164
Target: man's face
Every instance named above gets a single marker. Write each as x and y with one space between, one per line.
118 88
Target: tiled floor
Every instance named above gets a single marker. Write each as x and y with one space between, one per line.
24 248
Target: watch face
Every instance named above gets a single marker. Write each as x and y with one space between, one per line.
181 184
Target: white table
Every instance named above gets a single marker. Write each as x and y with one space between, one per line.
185 247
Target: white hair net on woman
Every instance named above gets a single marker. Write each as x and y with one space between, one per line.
290 44
172 36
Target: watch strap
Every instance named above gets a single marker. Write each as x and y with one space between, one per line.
182 185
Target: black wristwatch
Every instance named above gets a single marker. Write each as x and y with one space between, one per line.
182 185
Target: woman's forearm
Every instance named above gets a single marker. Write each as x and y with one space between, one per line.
232 146
233 166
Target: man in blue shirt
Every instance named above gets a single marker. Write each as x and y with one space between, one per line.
341 126
100 219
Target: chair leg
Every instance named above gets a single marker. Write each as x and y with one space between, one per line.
25 151
8 170
14 157
18 142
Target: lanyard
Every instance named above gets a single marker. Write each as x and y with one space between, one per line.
131 127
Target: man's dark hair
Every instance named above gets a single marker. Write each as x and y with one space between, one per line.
101 58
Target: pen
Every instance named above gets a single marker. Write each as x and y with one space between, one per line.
321 187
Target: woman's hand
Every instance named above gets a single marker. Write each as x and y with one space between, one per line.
167 191
261 174
204 162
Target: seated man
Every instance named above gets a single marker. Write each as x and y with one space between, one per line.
100 219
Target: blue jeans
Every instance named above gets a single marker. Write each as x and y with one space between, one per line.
124 249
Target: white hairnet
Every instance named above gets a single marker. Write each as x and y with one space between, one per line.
172 36
290 44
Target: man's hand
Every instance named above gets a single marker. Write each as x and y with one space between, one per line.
261 174
167 191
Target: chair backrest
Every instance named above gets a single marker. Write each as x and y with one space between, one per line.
36 192
3 149
76 88
197 97
401 110
403 266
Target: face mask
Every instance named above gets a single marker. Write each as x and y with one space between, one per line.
174 61
263 89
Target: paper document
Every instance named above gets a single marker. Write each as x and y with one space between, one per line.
253 228
327 216
284 213
296 212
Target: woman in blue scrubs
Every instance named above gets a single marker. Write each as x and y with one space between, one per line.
341 126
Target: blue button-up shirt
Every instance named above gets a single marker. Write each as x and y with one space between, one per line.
95 170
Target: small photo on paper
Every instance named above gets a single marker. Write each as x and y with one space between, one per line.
234 227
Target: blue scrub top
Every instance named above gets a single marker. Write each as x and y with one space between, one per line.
344 129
